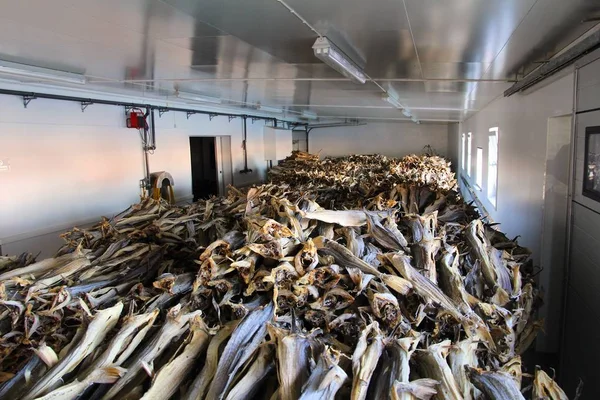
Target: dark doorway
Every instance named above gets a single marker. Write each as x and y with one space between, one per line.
204 167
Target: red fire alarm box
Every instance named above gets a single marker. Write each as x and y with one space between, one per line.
136 120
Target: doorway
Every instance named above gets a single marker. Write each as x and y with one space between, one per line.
205 181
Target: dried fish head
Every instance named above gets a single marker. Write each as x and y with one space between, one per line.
332 300
306 259
385 307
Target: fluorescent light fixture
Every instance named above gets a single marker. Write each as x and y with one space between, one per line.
46 74
392 100
415 120
198 97
406 113
309 115
332 56
269 109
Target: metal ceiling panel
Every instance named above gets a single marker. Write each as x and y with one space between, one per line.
432 54
379 34
549 26
264 24
456 31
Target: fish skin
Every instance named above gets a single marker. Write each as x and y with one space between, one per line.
102 323
494 385
262 366
173 328
168 379
545 388
463 354
292 362
422 389
243 342
432 364
364 360
106 375
385 237
325 380
200 385
121 343
19 383
43 266
343 256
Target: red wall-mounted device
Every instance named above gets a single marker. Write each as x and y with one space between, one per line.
136 120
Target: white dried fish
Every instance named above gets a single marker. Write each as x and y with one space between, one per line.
169 377
102 323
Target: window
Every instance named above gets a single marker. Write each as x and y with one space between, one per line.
462 151
492 181
469 154
479 171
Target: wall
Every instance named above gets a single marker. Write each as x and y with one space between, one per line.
69 167
390 139
523 121
581 344
453 140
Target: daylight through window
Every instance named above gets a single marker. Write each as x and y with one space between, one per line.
492 181
479 169
469 154
462 151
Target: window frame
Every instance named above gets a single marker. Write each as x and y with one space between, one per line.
469 153
493 170
462 151
479 168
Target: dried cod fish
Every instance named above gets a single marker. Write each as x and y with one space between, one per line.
174 327
432 364
495 385
326 379
169 377
95 333
364 360
244 340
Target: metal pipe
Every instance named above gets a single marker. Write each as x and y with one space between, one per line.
125 104
307 132
458 80
304 21
244 148
152 144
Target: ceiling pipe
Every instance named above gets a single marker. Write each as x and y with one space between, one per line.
556 64
458 80
161 109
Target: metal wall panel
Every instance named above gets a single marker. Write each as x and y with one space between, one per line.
581 344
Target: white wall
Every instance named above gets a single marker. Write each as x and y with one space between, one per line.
391 139
523 121
453 139
69 168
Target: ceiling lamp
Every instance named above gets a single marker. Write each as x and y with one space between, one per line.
47 74
332 56
198 97
416 121
309 115
269 109
406 113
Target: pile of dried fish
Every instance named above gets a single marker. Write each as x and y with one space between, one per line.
352 181
266 295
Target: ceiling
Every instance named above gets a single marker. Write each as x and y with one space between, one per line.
444 59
